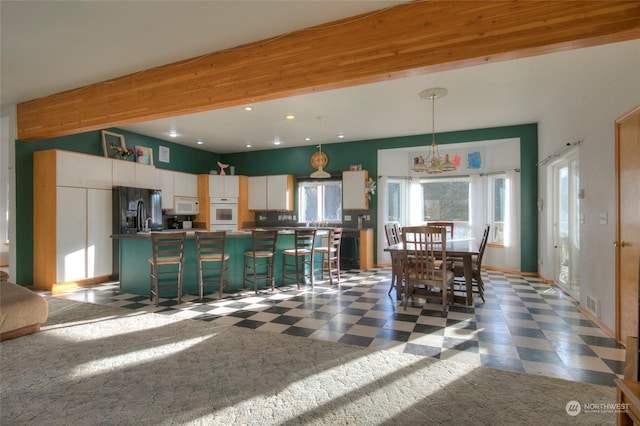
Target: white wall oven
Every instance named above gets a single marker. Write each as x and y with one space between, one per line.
224 214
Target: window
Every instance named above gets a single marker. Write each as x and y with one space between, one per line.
320 201
497 198
447 199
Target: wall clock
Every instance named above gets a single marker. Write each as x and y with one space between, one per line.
319 159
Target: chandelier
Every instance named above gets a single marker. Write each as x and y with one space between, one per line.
433 163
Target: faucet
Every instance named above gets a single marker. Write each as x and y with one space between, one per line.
146 224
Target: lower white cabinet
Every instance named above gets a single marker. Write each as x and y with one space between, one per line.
83 229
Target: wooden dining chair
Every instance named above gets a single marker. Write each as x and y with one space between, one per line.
392 233
422 246
444 224
476 265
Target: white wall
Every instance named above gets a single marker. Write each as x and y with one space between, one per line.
7 179
606 86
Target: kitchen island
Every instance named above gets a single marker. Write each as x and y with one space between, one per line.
135 251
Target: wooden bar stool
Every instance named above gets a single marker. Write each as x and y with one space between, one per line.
332 253
301 255
167 250
210 251
259 262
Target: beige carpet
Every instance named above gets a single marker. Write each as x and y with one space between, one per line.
95 364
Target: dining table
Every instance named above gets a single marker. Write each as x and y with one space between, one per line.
459 248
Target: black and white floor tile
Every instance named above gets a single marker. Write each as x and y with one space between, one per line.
525 325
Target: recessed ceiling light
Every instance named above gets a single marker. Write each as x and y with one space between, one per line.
173 133
289 116
307 139
248 108
340 136
199 142
277 142
248 145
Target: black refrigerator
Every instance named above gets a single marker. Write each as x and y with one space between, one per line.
134 209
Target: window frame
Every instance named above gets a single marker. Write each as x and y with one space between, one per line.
491 202
321 184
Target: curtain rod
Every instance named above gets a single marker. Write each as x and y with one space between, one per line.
558 152
447 176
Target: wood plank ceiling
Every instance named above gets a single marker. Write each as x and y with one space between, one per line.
405 40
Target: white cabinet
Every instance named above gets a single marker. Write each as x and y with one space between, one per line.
124 173
128 173
99 228
176 184
72 217
224 186
83 229
280 192
271 192
185 184
82 170
71 233
257 193
166 186
146 176
354 193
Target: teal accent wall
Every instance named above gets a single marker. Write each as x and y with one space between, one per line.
341 155
293 161
182 158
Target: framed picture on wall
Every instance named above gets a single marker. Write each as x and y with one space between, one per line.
112 143
147 155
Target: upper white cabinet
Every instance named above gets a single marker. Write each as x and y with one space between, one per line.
146 176
271 192
82 170
224 186
354 191
185 184
128 173
176 184
124 173
166 186
257 193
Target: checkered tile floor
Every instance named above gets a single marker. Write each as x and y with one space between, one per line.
525 325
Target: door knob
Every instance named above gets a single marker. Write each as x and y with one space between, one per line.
619 244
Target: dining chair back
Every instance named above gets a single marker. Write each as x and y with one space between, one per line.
444 224
392 233
167 259
260 260
331 255
476 265
213 262
424 246
300 257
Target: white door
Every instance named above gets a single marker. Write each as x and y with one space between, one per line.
567 224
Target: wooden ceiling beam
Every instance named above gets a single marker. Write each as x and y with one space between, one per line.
410 38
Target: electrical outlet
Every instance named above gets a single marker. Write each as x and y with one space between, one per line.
347 217
604 218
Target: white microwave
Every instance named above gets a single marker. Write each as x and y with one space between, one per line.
185 206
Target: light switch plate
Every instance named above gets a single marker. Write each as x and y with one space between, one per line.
604 218
347 217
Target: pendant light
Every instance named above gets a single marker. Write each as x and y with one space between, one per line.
433 163
319 159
